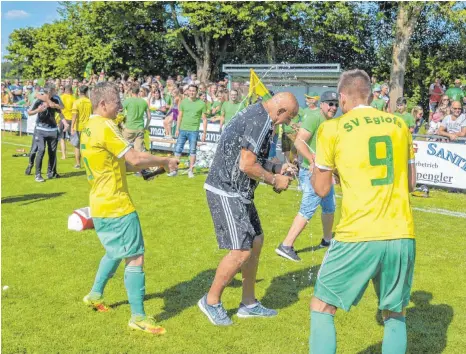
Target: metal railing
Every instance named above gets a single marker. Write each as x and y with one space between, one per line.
440 138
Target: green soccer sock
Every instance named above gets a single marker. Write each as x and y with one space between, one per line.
107 269
323 339
135 287
394 336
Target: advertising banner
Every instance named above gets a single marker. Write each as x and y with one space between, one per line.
441 164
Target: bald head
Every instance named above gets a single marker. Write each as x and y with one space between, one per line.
282 107
355 89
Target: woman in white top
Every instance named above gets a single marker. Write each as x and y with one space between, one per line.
157 104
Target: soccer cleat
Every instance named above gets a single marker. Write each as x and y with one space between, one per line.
97 305
257 311
287 252
215 313
77 166
39 178
172 174
324 243
190 174
28 170
146 324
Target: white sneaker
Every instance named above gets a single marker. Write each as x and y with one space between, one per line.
190 174
172 174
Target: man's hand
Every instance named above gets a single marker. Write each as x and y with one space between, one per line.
43 107
281 183
73 131
65 125
312 163
453 137
289 168
171 164
177 133
203 137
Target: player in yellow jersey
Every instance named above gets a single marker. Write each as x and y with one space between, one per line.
82 110
68 99
106 156
372 153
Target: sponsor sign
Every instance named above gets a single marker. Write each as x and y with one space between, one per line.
156 130
441 164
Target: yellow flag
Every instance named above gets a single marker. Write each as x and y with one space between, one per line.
257 88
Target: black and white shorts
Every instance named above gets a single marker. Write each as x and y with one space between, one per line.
236 223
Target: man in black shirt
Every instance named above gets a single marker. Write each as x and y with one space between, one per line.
240 162
46 131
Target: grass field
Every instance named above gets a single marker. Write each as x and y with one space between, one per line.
49 269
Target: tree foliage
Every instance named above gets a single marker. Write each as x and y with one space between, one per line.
171 37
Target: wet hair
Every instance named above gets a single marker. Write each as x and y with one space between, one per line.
104 91
355 83
68 88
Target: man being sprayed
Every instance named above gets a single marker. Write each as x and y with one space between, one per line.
374 240
306 145
239 164
106 156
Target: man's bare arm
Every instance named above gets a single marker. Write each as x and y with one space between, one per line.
321 181
411 177
300 144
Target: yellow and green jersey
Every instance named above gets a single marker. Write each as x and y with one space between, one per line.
82 107
371 150
103 149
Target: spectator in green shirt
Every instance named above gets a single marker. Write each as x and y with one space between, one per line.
134 108
306 145
378 102
455 93
230 108
191 111
405 115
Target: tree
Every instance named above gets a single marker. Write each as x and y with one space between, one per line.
408 13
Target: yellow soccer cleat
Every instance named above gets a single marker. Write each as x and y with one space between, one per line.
98 304
146 324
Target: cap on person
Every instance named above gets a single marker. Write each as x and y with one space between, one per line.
312 94
401 101
377 88
329 96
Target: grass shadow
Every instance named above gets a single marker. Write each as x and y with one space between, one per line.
183 295
310 249
426 324
31 198
284 290
72 174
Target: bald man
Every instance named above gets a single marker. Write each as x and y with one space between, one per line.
239 164
374 240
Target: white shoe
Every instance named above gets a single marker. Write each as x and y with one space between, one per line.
172 174
190 174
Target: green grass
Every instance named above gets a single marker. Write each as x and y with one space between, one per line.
49 269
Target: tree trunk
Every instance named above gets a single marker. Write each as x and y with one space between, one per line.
204 67
407 16
271 52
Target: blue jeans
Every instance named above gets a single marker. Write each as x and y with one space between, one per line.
182 138
311 200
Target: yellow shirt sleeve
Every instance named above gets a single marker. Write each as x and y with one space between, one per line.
114 141
75 109
325 145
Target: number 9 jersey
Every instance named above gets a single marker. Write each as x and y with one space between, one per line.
371 151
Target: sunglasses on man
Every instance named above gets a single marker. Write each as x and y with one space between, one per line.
332 104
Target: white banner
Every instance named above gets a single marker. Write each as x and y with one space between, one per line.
156 130
441 164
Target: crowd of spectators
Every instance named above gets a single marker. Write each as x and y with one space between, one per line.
163 98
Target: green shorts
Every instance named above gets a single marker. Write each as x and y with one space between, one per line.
348 267
121 237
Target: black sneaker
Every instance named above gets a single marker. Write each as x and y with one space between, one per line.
287 252
52 175
324 243
39 178
28 170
